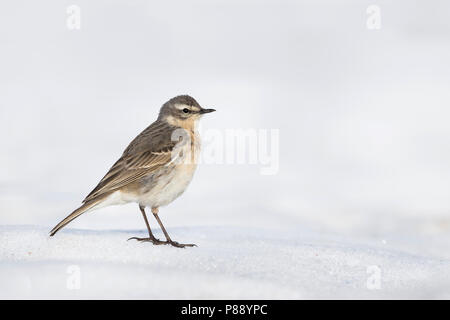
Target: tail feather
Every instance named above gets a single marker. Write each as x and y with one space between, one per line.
85 207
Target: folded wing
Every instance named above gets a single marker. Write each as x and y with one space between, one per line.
130 168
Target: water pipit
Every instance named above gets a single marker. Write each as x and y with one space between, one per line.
155 168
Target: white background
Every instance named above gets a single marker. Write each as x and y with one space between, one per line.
363 114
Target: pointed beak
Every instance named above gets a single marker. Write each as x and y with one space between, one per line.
207 111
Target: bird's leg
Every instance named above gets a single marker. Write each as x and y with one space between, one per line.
151 237
169 241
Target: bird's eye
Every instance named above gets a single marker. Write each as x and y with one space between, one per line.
186 110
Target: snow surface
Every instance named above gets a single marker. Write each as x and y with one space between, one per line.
364 174
229 263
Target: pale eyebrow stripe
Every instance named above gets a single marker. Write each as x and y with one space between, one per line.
182 106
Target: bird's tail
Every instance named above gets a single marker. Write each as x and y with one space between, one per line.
85 207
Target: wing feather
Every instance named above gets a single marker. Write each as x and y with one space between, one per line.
130 168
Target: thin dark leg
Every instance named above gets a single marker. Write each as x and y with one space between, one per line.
169 241
151 237
155 213
146 221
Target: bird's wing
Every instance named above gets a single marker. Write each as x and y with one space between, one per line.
131 167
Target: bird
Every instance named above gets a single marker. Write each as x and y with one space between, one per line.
155 168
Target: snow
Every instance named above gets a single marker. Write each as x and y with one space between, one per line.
229 263
362 190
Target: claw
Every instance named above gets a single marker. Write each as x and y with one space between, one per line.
159 242
181 245
152 240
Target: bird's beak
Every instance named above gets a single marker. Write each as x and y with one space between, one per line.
207 111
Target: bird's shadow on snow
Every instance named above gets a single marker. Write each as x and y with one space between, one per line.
200 234
196 231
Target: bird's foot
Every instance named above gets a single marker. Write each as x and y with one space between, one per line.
159 242
180 245
152 240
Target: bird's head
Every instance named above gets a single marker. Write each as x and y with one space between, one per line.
182 111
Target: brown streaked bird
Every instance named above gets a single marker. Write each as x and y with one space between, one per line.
155 168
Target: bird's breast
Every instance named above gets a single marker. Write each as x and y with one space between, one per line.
168 183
